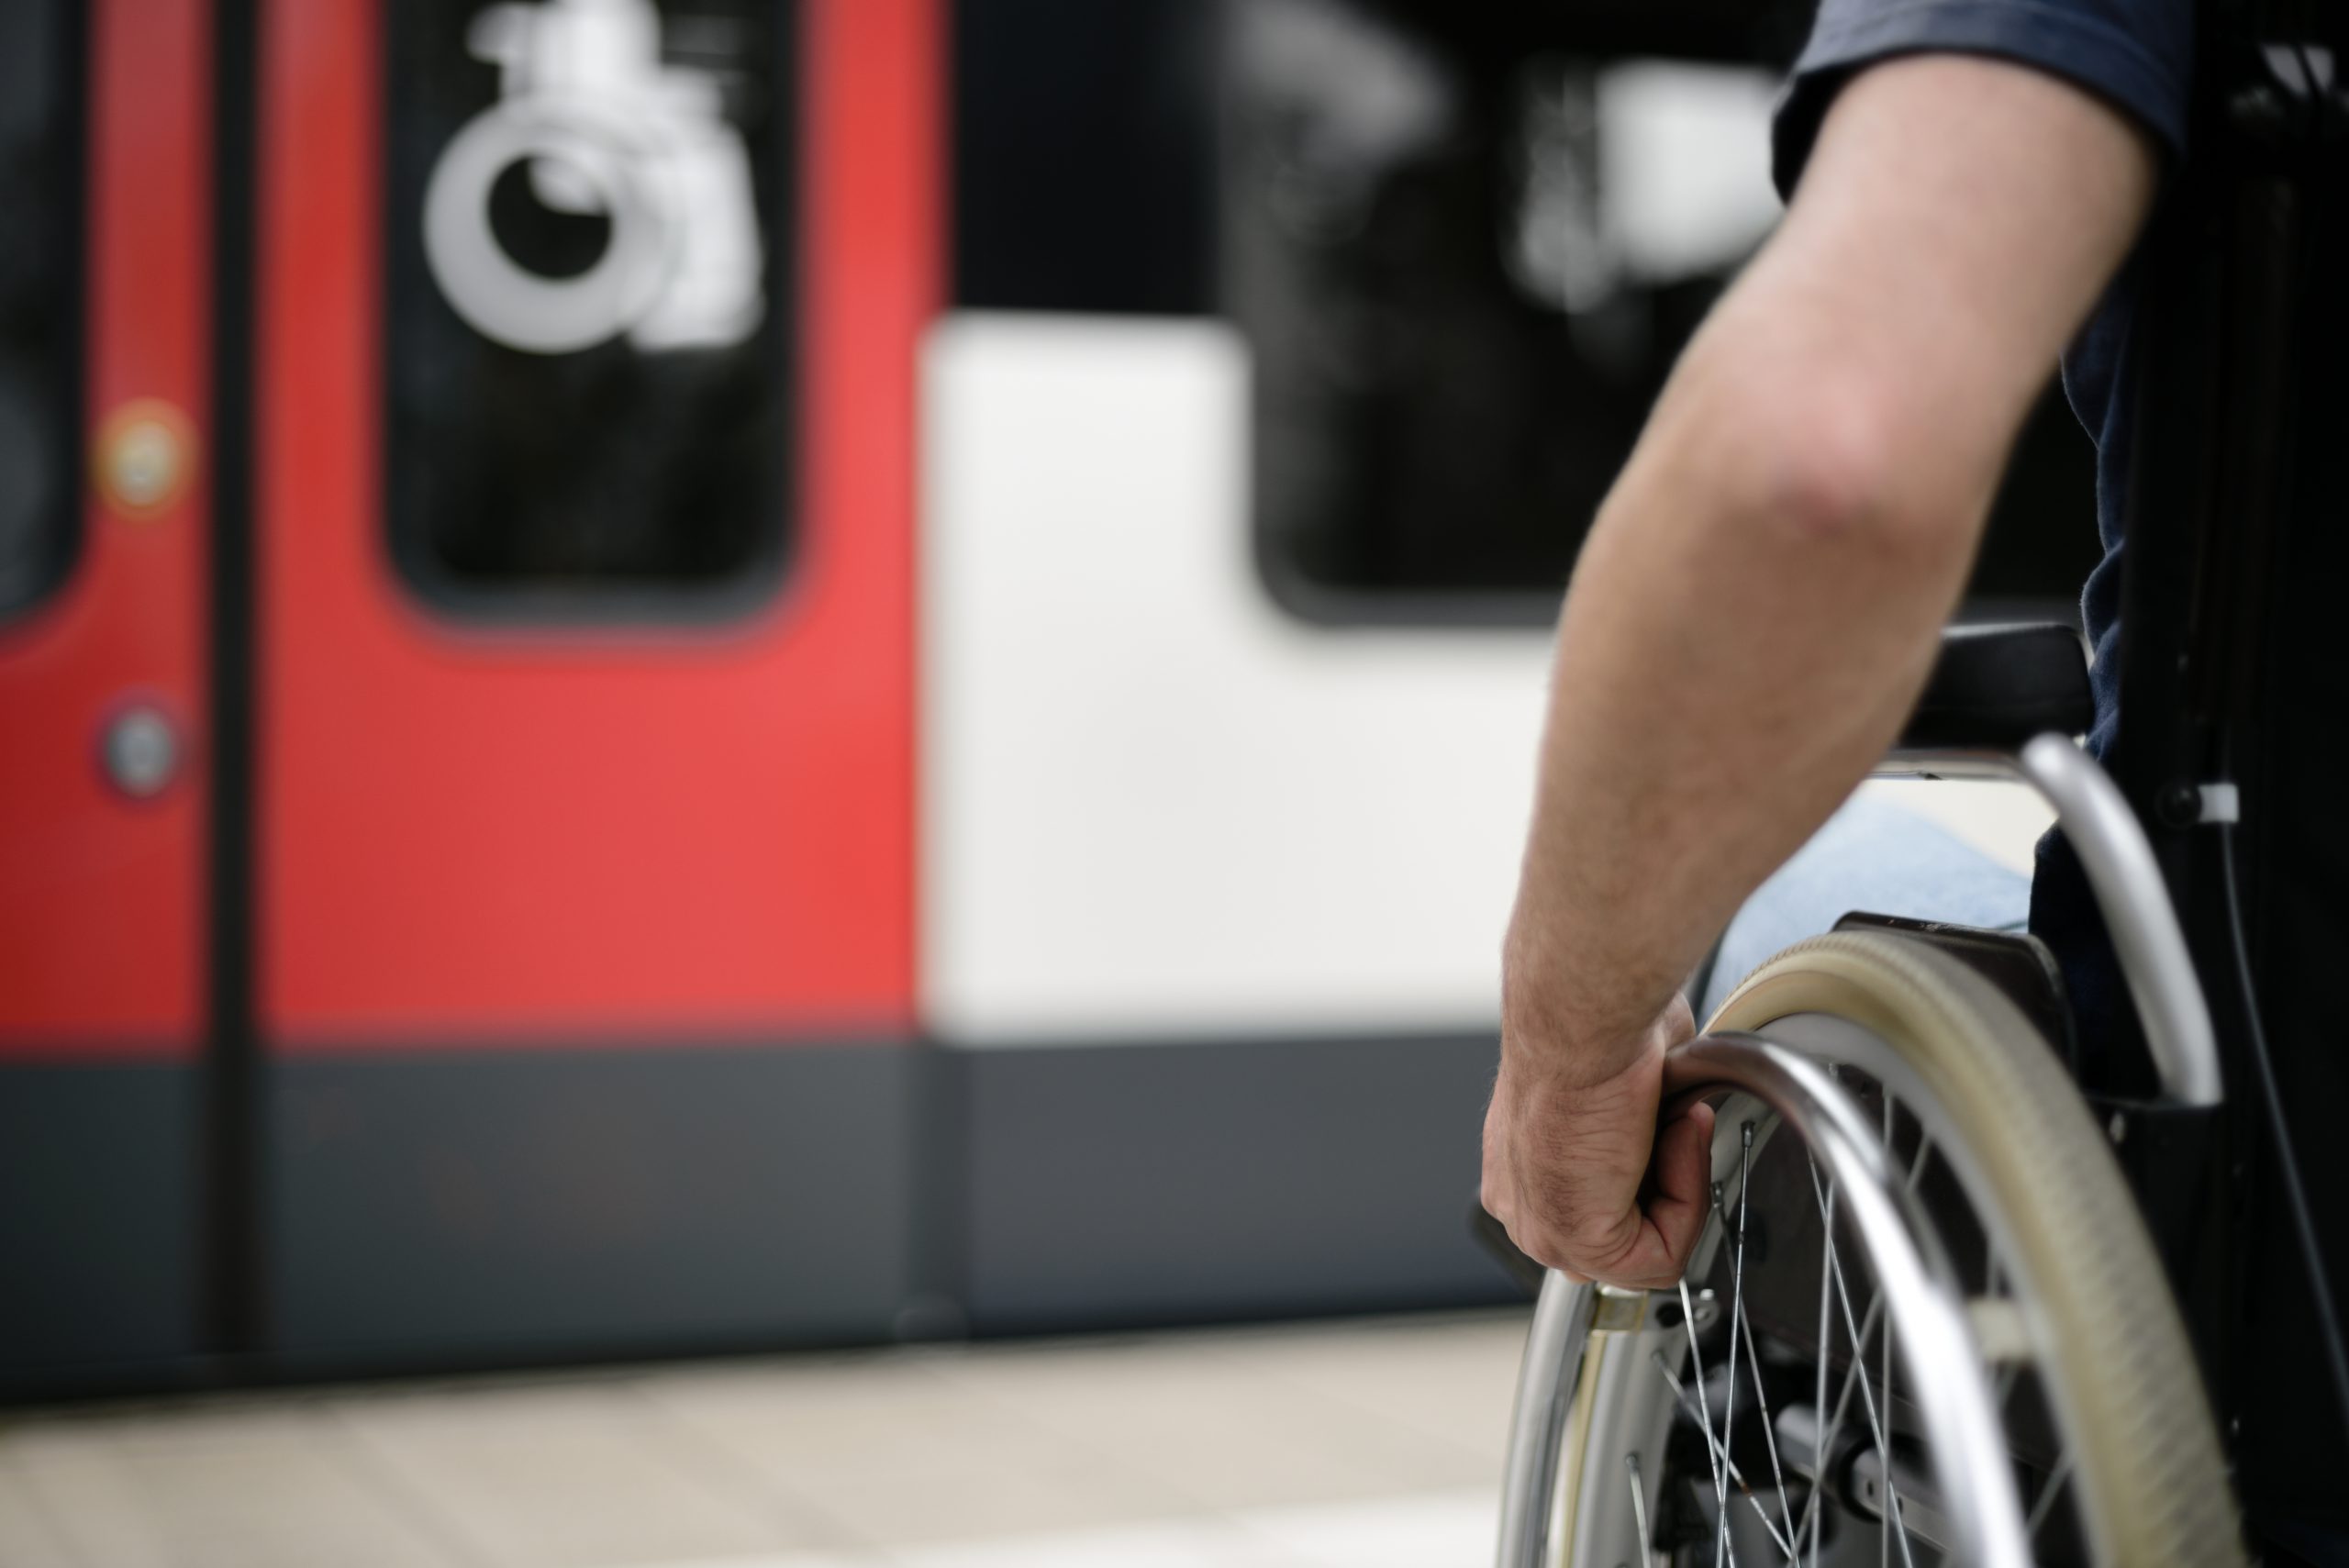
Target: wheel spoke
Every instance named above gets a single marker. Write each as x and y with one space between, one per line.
1736 1320
1697 1372
1917 1165
1744 1326
1720 1456
2046 1499
1703 1410
1821 1434
1883 1453
1640 1510
1883 1459
1809 1521
1770 1440
1860 1336
1830 1285
1916 1175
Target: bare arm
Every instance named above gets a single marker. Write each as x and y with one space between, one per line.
1762 594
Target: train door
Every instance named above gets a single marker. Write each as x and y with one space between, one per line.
583 513
105 149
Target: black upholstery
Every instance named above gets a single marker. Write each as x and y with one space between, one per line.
1493 1236
2023 967
1999 685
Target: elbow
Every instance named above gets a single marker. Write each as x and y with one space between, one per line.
1825 471
1825 477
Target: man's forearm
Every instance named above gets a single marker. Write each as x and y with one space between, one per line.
1735 653
1760 595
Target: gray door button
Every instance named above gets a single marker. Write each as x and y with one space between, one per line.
142 751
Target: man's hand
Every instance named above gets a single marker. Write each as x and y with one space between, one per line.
1579 1172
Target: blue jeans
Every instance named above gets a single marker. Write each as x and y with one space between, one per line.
1871 856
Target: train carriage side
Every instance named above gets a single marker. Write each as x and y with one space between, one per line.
703 674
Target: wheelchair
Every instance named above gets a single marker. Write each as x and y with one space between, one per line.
1924 1286
1974 1290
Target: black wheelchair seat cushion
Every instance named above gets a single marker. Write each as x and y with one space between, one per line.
1996 686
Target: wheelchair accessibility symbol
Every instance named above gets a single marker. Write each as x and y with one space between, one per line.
605 130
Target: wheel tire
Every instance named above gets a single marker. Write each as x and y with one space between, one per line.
2110 1346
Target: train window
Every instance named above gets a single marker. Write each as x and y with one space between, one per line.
1084 155
40 72
588 346
1467 247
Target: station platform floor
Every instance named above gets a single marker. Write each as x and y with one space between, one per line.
1370 1443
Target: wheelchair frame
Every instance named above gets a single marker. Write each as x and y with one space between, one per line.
2155 961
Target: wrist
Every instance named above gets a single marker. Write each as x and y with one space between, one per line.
1555 1029
1551 1017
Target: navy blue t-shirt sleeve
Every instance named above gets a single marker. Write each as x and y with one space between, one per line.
2136 54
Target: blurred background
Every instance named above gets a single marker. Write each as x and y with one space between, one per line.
721 678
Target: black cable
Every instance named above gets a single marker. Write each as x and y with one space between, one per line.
2287 1158
2288 1162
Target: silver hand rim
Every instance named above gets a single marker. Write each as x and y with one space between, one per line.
1914 1277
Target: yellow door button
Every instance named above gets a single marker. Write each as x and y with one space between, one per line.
144 459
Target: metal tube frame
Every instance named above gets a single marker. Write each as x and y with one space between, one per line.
2130 891
1547 1381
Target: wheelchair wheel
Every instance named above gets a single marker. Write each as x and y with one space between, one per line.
1924 1311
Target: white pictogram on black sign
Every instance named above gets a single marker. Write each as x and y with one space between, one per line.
605 128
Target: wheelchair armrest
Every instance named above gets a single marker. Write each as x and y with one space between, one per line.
2007 702
1994 687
